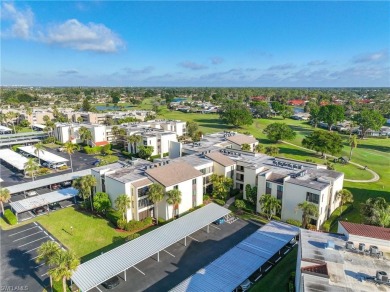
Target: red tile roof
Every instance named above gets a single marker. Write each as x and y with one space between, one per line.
366 230
258 98
102 143
296 102
317 269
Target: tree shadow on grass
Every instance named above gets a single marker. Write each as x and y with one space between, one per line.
384 149
297 152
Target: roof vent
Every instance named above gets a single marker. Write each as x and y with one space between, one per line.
349 245
330 244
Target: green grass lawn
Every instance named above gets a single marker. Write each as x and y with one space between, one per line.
25 130
277 278
91 234
373 152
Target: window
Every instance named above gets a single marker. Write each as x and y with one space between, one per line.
176 187
194 181
240 168
312 198
279 188
143 191
268 185
142 203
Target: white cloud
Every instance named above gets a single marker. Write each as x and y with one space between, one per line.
282 67
192 65
216 60
84 37
22 21
372 57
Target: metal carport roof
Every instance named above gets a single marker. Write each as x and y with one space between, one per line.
12 158
47 181
43 200
43 155
235 266
94 272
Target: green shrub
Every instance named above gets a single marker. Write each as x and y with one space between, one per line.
64 167
49 140
59 143
43 170
161 221
132 236
335 216
10 217
134 225
113 216
93 150
219 202
121 224
15 147
294 222
206 198
239 204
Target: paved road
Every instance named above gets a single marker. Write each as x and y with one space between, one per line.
375 177
19 271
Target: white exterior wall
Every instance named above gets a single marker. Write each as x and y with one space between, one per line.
165 142
98 133
115 188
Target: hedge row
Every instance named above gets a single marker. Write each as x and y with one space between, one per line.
335 216
10 217
113 216
294 222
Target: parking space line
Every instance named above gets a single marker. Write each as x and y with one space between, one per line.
22 231
30 250
39 265
215 227
168 252
40 228
45 274
32 241
98 289
27 236
34 258
139 270
193 238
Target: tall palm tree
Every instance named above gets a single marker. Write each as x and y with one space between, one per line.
269 205
308 209
382 216
134 140
29 112
65 263
345 196
174 199
85 134
4 197
38 149
46 253
30 167
155 195
122 203
69 148
353 142
79 184
89 182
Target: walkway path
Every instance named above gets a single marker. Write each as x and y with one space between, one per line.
229 202
373 179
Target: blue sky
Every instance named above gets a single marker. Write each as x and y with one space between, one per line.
109 43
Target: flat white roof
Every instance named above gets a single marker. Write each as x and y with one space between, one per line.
235 266
13 158
94 272
39 183
4 129
43 200
43 155
40 126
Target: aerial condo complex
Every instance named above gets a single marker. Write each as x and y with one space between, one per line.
195 146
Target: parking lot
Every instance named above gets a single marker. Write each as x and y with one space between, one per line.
179 262
80 161
18 253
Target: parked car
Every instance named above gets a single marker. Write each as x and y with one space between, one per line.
219 221
45 164
245 285
32 193
57 165
61 149
39 210
111 283
54 206
55 186
96 162
66 184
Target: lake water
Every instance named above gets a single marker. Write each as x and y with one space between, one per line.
298 110
111 107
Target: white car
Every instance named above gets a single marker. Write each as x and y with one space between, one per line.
32 193
57 165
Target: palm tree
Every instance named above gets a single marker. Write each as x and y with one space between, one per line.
65 263
271 150
269 205
79 184
246 147
382 216
85 134
29 112
89 182
4 197
69 148
39 149
155 195
30 167
174 199
122 203
345 196
134 140
46 253
308 209
353 142
79 120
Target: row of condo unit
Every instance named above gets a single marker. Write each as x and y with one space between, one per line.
38 115
190 166
157 133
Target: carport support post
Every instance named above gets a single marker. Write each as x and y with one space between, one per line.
208 228
158 256
124 272
185 240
